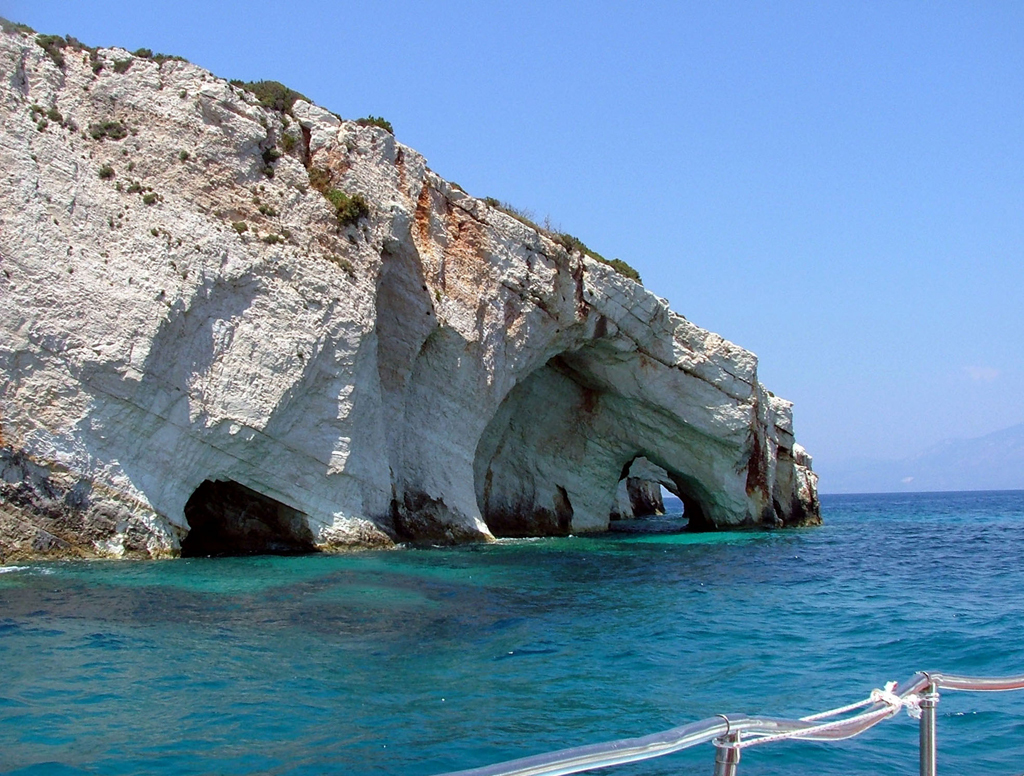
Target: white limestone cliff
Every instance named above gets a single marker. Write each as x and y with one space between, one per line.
435 371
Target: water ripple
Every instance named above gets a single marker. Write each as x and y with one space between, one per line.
421 661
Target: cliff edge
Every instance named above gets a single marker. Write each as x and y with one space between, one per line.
229 326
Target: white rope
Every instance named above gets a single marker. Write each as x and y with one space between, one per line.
912 703
811 731
840 710
892 705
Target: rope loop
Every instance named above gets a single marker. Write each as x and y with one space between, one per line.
912 703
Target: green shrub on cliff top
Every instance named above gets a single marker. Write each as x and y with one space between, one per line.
161 58
8 26
376 121
53 45
94 55
145 53
272 94
522 216
623 269
569 242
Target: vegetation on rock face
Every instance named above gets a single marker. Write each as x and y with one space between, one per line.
348 209
94 53
161 58
145 53
270 156
272 94
8 26
113 130
38 114
320 179
524 217
376 121
43 116
623 269
54 46
569 242
345 264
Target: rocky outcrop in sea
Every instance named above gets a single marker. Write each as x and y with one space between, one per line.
234 325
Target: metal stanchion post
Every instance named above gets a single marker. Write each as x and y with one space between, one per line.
929 700
727 755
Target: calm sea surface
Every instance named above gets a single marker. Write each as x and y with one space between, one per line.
424 661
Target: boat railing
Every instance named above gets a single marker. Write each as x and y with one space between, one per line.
731 734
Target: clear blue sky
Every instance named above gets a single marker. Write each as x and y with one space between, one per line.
838 187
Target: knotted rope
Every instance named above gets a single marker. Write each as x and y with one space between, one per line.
891 706
912 703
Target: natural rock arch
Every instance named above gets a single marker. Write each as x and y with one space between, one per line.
639 493
551 458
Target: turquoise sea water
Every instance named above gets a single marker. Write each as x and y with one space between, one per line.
425 661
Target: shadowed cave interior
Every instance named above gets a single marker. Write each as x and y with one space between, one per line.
226 518
553 458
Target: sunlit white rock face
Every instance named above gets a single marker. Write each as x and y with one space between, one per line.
435 371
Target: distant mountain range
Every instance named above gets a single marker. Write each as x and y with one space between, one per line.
991 462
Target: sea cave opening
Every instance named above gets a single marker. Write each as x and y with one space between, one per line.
571 440
641 504
227 518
